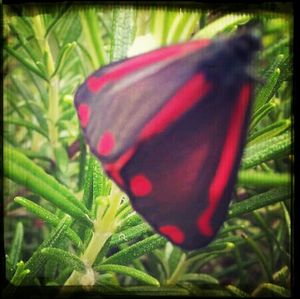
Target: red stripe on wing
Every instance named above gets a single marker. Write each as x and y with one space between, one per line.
226 164
185 98
96 83
114 169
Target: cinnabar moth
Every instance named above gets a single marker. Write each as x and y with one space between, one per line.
169 127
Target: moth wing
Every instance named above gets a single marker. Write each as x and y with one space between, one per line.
111 104
182 179
176 154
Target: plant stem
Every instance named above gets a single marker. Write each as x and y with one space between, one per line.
104 227
53 88
53 110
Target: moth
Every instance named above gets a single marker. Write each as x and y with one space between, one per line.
169 127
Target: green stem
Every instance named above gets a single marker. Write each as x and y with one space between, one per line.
104 227
53 88
53 110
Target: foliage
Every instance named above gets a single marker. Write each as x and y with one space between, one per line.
67 224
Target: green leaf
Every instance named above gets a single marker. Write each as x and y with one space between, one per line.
270 131
24 43
236 291
199 278
37 261
282 275
20 274
63 57
72 28
281 46
130 234
131 253
231 270
24 177
88 184
82 164
269 233
129 271
267 91
174 259
257 179
224 244
286 70
220 25
86 60
14 254
61 158
99 179
25 63
92 33
229 228
287 219
265 266
95 183
64 257
67 115
178 269
271 75
50 269
34 108
267 150
65 8
47 216
23 171
271 288
34 155
259 201
261 113
123 32
182 27
158 26
132 220
15 156
275 64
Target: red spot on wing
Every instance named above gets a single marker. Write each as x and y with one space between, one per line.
106 143
96 83
140 185
114 169
184 99
173 232
226 164
84 113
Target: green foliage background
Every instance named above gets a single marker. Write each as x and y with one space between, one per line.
67 224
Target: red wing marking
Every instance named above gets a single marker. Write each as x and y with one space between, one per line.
106 143
173 232
140 185
226 164
96 83
114 169
185 98
84 113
